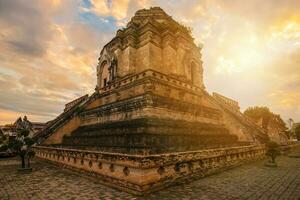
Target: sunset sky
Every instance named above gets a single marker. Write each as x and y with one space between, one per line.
49 50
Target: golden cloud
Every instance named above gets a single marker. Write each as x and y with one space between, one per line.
115 8
254 49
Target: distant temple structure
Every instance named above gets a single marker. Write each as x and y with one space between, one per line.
275 128
293 130
150 120
11 130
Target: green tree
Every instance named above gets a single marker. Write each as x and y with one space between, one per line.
3 147
257 113
30 155
3 142
266 115
272 150
297 132
21 145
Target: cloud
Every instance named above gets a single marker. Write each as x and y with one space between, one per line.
116 8
47 59
285 76
251 49
120 10
9 117
28 26
49 50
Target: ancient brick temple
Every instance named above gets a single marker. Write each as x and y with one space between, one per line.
149 99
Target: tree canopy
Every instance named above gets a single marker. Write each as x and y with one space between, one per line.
265 114
21 145
272 150
297 132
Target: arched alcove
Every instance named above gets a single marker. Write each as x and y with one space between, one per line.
194 73
113 69
104 77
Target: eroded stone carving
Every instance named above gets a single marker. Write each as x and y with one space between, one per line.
153 40
150 119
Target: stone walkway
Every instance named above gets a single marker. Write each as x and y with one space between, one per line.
251 181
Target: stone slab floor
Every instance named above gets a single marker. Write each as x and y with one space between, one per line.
250 181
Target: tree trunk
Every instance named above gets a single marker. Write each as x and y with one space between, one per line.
273 159
23 161
28 162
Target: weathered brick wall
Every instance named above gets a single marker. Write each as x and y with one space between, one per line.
65 129
143 174
154 41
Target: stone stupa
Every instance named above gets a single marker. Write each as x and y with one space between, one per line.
149 101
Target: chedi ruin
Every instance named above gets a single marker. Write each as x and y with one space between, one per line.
150 121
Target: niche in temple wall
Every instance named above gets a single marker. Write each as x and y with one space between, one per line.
186 64
195 73
188 67
180 62
106 69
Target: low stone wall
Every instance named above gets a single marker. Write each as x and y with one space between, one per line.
143 174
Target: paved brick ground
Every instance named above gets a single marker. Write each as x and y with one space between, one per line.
251 181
